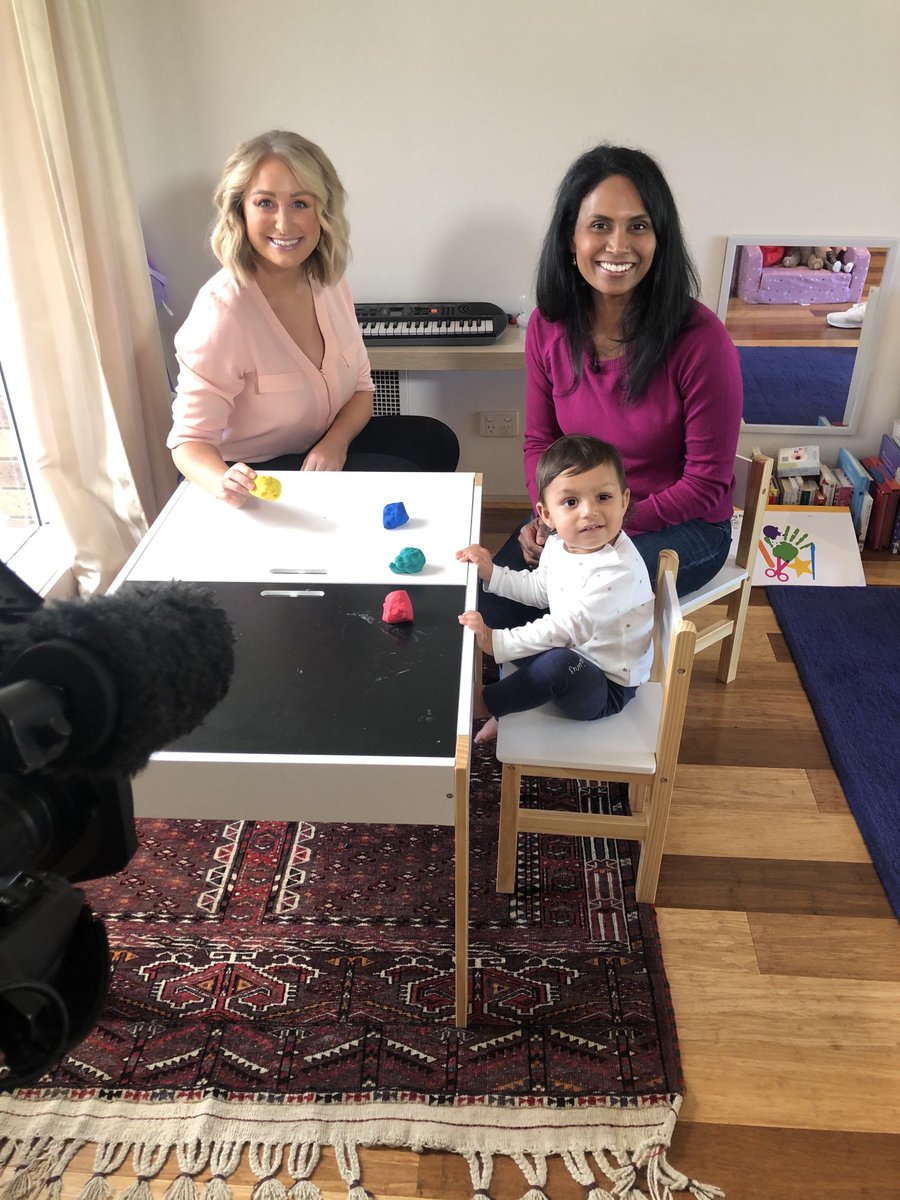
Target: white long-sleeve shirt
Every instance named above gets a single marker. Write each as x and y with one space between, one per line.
601 606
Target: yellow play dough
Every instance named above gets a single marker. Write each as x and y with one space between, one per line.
266 487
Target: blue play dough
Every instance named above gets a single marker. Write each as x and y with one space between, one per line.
395 515
408 562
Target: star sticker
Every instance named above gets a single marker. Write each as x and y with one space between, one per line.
803 566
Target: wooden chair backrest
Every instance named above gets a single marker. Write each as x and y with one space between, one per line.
751 492
667 565
677 639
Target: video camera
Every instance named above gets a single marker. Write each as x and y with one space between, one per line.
88 691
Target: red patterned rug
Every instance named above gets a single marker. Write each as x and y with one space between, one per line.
279 987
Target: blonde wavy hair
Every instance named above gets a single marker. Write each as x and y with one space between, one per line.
314 172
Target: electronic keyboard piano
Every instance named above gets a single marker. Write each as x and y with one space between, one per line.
437 324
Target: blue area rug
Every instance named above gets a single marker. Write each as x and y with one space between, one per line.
845 643
795 385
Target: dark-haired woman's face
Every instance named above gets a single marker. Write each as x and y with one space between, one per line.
614 239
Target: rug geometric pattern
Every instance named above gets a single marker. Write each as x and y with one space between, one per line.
279 987
272 956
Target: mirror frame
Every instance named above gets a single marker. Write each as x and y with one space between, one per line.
868 336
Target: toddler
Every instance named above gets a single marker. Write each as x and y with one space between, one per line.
592 649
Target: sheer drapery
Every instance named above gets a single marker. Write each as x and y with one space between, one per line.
79 341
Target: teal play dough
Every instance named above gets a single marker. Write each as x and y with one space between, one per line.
408 562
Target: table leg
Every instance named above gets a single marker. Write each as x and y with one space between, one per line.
461 881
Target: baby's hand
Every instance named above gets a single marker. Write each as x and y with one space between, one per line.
481 558
483 635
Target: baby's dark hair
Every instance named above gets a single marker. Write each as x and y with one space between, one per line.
578 453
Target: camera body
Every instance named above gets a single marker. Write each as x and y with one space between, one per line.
87 692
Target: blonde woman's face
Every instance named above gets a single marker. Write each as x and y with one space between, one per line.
280 216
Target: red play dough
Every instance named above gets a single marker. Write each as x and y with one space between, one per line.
397 608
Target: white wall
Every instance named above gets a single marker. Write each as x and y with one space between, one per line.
452 124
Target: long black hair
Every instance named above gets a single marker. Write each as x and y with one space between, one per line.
658 308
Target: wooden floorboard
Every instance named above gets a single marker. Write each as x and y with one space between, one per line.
771 885
782 954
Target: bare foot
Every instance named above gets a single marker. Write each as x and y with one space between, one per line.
488 731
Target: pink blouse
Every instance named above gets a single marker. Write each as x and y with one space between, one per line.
247 388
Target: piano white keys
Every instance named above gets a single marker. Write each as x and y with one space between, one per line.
440 323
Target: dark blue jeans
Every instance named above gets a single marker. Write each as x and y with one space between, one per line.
576 685
702 548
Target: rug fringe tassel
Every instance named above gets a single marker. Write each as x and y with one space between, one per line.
577 1163
40 1166
224 1160
535 1174
146 1162
32 1170
192 1159
265 1163
481 1168
663 1180
619 1168
63 1154
107 1160
348 1165
623 1177
302 1162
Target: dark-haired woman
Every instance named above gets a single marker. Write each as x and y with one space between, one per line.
619 348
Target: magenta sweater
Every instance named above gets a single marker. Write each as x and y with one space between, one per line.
678 441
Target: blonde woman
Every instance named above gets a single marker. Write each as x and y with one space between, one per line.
273 370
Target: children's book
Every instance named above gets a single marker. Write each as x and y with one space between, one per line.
885 494
861 482
894 545
865 514
844 491
890 456
809 485
790 489
827 488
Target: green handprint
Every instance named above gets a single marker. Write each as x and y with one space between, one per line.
790 545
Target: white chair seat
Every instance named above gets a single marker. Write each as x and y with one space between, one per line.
730 576
625 742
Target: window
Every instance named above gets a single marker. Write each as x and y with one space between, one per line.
17 503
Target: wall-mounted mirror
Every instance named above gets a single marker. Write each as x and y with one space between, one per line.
800 369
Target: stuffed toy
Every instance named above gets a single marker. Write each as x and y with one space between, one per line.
814 257
840 263
772 255
826 253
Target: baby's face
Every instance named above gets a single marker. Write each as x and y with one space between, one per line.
587 509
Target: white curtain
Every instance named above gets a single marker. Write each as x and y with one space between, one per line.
79 341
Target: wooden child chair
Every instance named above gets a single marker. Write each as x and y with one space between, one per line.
638 746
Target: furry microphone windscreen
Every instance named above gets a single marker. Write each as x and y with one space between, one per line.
169 650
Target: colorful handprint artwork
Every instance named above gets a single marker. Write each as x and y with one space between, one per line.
789 553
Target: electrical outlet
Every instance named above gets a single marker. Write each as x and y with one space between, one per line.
499 424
